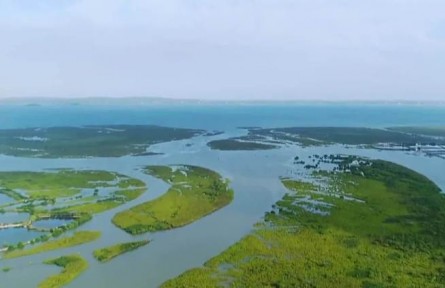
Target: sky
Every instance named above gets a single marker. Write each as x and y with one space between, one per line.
225 50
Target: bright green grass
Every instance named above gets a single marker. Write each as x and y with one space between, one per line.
73 266
93 208
63 183
108 253
78 238
92 205
195 192
395 238
104 205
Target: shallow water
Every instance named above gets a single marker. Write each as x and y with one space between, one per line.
5 199
15 235
254 176
13 217
50 223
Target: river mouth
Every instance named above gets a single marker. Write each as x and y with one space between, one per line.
254 176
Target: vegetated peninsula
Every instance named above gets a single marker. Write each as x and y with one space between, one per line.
194 193
73 266
78 238
88 141
108 253
368 223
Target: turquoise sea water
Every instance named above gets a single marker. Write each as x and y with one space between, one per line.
224 116
254 176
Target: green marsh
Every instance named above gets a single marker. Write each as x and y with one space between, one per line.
194 193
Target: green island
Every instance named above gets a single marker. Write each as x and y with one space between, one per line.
6 269
342 135
73 266
239 144
194 193
88 141
270 138
78 238
369 223
108 253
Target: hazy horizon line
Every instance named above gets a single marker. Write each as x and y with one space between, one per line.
36 100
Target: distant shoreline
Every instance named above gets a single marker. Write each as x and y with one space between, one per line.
31 101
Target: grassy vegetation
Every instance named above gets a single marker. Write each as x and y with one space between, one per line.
73 266
235 144
12 194
101 205
6 269
379 225
108 253
78 238
88 141
64 183
195 192
76 195
344 135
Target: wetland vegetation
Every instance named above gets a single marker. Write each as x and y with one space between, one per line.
342 135
437 131
108 253
64 194
239 144
88 141
78 238
73 266
370 223
194 193
264 139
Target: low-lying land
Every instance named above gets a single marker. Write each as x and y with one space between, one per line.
63 183
78 238
64 194
88 141
108 253
262 139
73 266
195 193
239 144
438 131
342 135
369 224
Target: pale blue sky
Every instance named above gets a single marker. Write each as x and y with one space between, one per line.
232 49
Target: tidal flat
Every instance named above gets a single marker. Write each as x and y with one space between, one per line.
259 179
